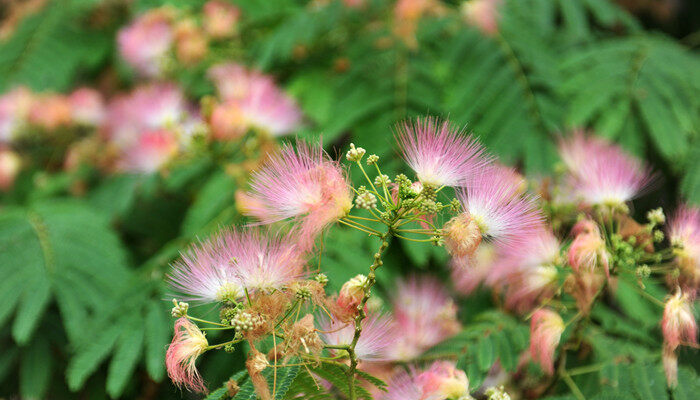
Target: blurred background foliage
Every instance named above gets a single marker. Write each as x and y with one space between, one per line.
81 300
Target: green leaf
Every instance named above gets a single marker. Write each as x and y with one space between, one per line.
215 196
126 356
157 336
35 369
94 352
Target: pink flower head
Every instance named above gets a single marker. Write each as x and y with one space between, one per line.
146 42
50 111
527 271
469 272
188 344
439 154
374 342
545 332
502 213
87 106
678 323
684 234
253 100
223 267
351 294
424 316
151 151
587 251
439 382
602 173
483 15
304 184
14 110
220 18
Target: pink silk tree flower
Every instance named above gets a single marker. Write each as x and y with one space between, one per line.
441 381
151 151
145 43
678 323
228 264
439 154
403 387
588 250
187 345
684 234
424 316
376 338
50 111
87 106
602 173
14 110
220 19
469 272
302 184
482 14
497 209
546 328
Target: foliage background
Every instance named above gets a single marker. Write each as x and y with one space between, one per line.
81 299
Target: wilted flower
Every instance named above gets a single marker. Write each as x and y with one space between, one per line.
482 14
222 267
220 18
374 342
678 323
545 332
669 358
499 210
684 234
424 316
10 165
588 250
188 344
439 154
303 184
602 173
146 42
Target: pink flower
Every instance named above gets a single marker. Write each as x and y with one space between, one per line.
482 14
439 154
374 342
500 211
87 106
50 111
146 42
226 265
588 250
10 165
440 382
678 323
469 272
14 110
602 173
303 184
351 294
424 316
684 234
188 344
545 332
255 101
220 18
151 151
669 359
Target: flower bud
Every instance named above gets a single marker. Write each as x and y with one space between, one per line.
678 323
545 332
656 216
372 159
366 200
180 309
587 251
355 154
351 293
462 235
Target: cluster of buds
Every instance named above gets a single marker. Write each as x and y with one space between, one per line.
355 154
246 321
179 309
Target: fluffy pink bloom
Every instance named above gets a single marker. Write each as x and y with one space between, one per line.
545 332
151 151
374 342
424 316
220 18
469 272
439 382
588 250
439 154
146 42
602 173
255 101
188 344
482 14
10 165
684 234
87 106
678 323
222 267
50 111
303 184
501 212
351 294
14 109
